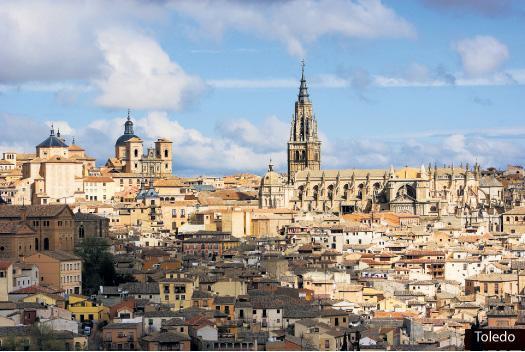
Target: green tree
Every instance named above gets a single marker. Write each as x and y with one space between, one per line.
9 343
98 266
44 339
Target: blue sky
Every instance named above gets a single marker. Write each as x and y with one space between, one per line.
392 82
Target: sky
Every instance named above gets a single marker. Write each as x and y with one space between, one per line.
392 82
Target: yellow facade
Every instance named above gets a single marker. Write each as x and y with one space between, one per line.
82 309
229 287
44 298
176 290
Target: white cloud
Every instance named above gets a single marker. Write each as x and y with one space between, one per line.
269 136
62 126
45 40
140 75
240 147
71 47
297 22
417 75
194 152
481 55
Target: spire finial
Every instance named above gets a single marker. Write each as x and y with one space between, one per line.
303 89
270 165
73 141
52 132
129 113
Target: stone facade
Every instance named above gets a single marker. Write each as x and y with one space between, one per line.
424 191
26 230
304 147
274 192
130 156
54 174
429 191
90 225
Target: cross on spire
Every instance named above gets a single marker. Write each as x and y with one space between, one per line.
303 88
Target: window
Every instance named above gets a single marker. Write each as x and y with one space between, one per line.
327 344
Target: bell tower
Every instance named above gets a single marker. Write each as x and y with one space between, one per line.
304 146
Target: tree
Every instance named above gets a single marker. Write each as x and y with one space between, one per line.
98 264
44 339
9 343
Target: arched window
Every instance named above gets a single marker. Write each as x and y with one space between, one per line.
36 244
360 191
81 231
346 190
46 244
166 153
303 155
136 152
296 155
331 192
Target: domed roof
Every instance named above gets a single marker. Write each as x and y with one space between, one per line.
128 133
52 141
124 138
147 193
272 178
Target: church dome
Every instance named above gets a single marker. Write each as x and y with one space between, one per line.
272 178
128 133
123 139
52 141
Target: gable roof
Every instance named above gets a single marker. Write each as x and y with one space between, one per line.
32 211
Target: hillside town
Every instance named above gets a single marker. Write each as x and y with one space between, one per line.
122 254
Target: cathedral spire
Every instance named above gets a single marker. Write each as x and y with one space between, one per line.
303 96
304 147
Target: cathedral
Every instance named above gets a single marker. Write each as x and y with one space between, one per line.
130 156
426 190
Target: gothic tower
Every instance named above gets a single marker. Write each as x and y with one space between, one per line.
304 147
